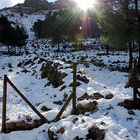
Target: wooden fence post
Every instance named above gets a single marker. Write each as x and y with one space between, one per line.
134 94
74 88
63 108
4 104
27 101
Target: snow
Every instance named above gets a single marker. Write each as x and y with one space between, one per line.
119 124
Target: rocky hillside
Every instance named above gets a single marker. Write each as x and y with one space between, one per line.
31 6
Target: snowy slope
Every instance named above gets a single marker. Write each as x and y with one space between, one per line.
118 123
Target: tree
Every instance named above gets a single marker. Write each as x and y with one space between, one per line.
66 24
11 35
38 28
5 31
118 21
19 36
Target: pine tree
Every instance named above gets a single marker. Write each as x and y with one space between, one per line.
118 21
11 35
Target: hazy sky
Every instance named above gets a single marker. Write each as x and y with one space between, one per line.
9 3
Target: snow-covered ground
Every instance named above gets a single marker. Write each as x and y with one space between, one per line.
118 123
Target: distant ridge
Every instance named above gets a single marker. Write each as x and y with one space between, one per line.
32 6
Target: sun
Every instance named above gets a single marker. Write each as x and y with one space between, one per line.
85 4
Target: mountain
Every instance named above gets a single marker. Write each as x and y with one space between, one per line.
32 6
36 4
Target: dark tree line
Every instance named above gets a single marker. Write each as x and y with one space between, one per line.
120 22
68 24
11 35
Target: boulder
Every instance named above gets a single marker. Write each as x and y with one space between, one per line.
94 133
89 107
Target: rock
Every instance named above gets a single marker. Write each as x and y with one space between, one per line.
52 135
102 123
10 70
63 87
44 108
25 70
61 130
32 6
129 104
23 125
95 133
85 96
89 107
58 102
10 126
75 120
55 134
97 96
19 64
109 96
83 78
131 112
10 65
36 4
28 118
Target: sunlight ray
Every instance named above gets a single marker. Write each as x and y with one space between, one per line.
85 4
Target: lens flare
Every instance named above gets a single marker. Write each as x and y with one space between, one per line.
85 4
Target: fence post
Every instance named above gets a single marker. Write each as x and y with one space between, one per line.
134 94
74 88
27 101
4 104
63 108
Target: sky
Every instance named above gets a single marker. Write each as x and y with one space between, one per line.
9 3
